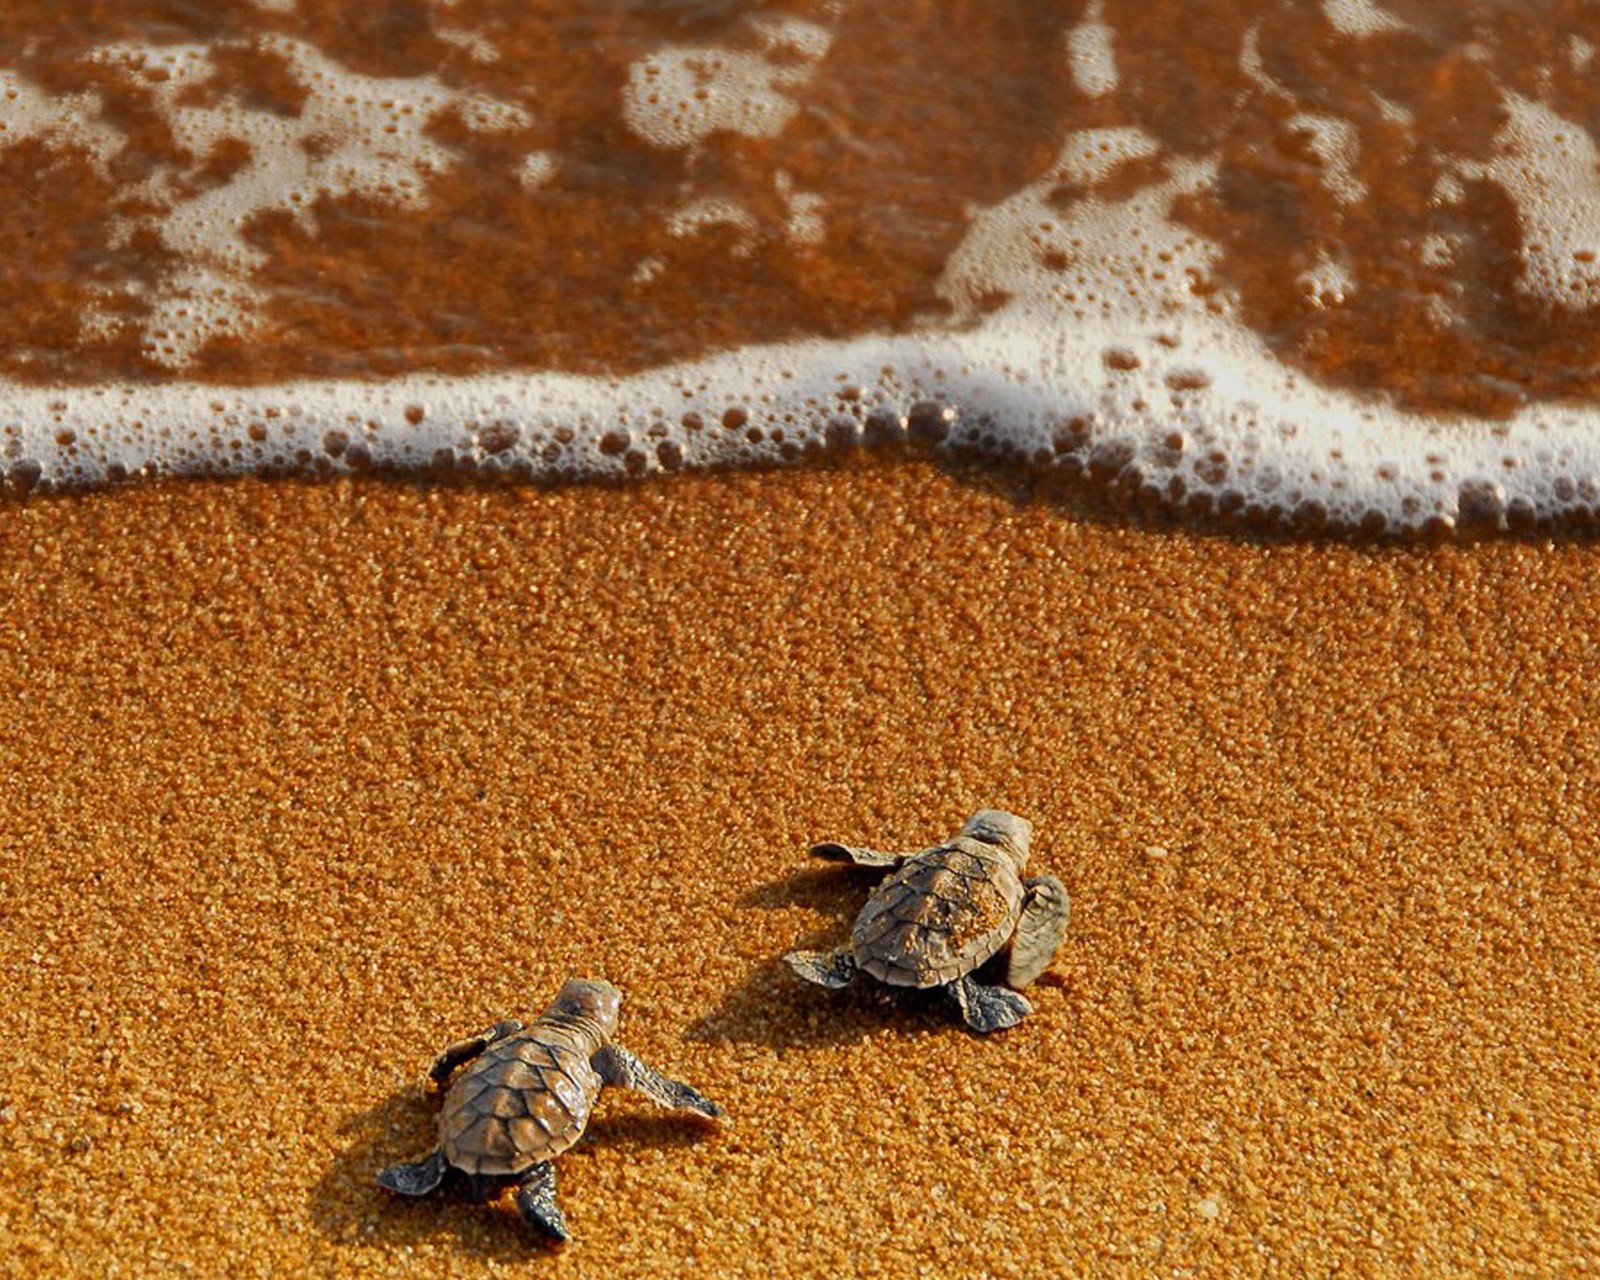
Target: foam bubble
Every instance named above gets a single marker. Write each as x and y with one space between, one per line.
1327 282
1199 423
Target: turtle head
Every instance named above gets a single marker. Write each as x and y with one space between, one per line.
589 1000
1004 830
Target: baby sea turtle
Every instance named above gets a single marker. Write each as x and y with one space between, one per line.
948 910
521 1095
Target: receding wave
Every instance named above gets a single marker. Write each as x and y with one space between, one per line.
1330 266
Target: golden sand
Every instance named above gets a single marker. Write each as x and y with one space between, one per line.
302 782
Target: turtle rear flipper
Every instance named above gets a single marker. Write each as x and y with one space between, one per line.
536 1202
419 1179
1039 931
619 1067
825 968
861 857
988 1009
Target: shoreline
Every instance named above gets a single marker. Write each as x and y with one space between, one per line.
311 778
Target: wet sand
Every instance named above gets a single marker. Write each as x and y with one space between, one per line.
304 781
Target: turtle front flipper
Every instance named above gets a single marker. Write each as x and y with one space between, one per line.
536 1202
620 1068
463 1051
825 968
861 857
1040 929
419 1179
988 1009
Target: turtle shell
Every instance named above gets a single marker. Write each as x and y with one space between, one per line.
525 1099
940 916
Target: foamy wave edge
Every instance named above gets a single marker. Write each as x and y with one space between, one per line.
1092 335
1077 340
1152 420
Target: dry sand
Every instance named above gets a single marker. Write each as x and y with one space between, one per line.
303 781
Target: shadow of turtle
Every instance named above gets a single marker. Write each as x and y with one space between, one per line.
349 1208
775 1008
835 889
626 1131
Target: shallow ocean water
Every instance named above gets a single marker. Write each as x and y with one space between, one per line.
1289 264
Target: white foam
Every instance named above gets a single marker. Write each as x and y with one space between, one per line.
1360 17
806 223
679 96
538 168
709 213
1111 353
474 44
1550 167
1255 68
1336 144
354 135
1393 112
1105 360
1090 156
1090 53
65 120
1228 428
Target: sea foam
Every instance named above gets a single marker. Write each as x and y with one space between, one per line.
1082 328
